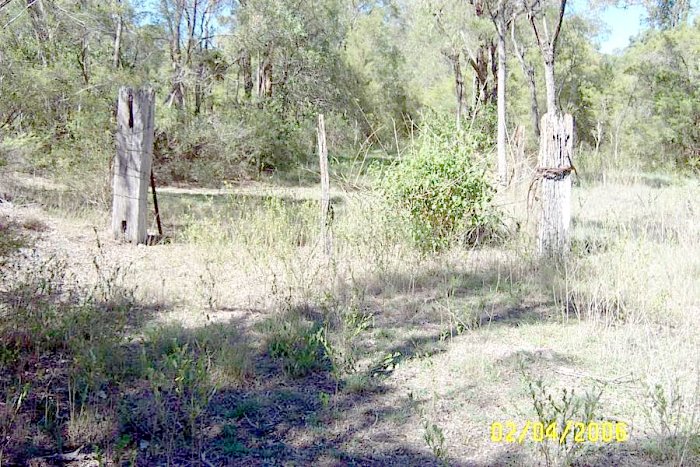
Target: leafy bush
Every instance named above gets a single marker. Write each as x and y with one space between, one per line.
441 186
245 141
294 340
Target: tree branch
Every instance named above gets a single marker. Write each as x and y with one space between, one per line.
520 53
545 29
531 17
562 8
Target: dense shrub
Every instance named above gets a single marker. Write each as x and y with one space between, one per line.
441 186
241 142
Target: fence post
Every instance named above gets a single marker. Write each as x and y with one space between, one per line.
326 216
132 167
555 167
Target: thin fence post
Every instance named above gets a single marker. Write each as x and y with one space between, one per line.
326 216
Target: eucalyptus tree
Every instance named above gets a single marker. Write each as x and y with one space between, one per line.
502 14
189 25
284 45
521 47
663 76
463 37
667 14
547 38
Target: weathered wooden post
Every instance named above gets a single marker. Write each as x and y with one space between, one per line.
556 164
132 166
325 188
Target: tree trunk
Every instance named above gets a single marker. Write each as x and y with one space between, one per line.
199 90
178 62
529 73
84 59
247 72
116 50
459 85
549 83
480 65
264 88
556 164
84 53
534 105
519 153
177 91
493 57
556 150
501 89
37 16
485 54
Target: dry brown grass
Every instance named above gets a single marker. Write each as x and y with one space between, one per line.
444 336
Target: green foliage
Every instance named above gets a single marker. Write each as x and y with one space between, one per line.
38 323
181 388
295 341
557 410
674 421
339 339
230 145
373 55
14 398
435 439
665 101
441 185
230 444
371 68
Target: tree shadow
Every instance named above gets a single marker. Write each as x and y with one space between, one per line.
269 414
273 416
420 313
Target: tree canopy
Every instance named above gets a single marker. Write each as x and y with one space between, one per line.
239 82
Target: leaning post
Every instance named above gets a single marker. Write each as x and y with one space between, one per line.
132 166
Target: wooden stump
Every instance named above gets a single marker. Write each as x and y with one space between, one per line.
325 188
554 172
132 167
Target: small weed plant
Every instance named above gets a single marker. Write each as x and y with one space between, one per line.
674 421
558 411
